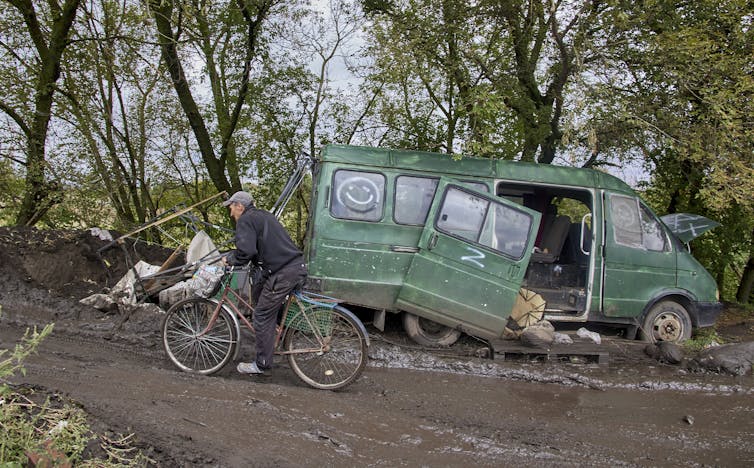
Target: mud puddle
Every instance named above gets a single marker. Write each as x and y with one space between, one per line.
640 377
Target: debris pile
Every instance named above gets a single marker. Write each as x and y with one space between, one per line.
198 276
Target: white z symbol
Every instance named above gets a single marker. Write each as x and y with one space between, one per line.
473 258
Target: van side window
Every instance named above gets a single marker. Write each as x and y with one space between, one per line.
413 198
624 212
467 216
634 225
357 195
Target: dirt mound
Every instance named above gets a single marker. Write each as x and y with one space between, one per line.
66 263
44 274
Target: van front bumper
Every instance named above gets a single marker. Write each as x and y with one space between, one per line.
706 313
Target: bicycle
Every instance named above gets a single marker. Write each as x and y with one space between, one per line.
325 343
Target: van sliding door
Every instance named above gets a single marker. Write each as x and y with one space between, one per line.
473 253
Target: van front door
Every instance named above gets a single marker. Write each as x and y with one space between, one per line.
639 259
472 257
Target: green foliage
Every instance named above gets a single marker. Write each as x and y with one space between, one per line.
487 78
81 207
676 88
11 188
433 93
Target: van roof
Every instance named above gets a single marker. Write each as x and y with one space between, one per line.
439 163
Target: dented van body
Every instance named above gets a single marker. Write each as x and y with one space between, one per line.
452 242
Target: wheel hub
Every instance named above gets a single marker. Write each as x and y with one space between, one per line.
668 327
431 328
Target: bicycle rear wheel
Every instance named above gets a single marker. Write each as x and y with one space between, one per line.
339 359
205 354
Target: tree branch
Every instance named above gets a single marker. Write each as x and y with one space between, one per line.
16 118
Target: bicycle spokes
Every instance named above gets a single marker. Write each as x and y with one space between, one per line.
328 353
198 337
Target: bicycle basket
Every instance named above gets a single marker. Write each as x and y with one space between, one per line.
315 316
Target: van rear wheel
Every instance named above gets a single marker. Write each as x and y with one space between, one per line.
428 333
666 321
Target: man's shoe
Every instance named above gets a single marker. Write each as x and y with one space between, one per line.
249 368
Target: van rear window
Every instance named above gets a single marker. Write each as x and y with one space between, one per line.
357 195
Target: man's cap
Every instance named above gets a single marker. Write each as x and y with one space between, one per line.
243 198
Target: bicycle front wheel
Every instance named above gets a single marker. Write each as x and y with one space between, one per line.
326 348
189 348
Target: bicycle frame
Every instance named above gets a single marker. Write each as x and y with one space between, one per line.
297 296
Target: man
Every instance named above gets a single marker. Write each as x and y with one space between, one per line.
262 240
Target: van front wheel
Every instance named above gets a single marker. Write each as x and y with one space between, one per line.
429 333
666 321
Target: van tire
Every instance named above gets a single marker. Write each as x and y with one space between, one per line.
666 321
428 333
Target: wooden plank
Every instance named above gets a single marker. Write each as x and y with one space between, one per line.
514 350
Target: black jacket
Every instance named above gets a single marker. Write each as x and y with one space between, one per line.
261 239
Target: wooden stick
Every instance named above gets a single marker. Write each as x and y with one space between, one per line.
148 285
120 239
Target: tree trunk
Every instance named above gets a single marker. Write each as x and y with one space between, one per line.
162 12
746 287
40 195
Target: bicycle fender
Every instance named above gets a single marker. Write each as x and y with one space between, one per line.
355 319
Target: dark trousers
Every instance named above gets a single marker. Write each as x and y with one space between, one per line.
269 296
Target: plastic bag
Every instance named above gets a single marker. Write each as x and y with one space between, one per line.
562 338
206 279
584 333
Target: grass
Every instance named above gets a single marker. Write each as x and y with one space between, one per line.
735 324
703 338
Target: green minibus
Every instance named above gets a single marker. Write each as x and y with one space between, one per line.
450 242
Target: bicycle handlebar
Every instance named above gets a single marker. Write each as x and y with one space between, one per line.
234 268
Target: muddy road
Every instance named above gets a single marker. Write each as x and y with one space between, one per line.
409 408
402 417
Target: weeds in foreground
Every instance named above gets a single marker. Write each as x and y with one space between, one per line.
50 433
